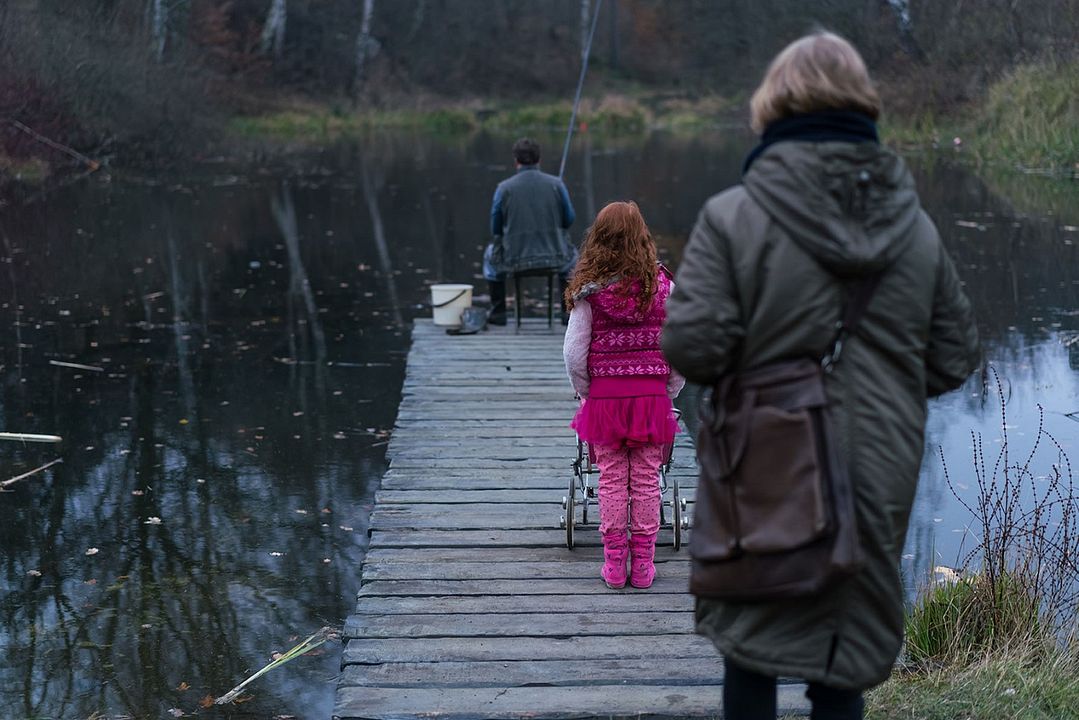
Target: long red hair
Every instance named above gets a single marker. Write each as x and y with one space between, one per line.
618 247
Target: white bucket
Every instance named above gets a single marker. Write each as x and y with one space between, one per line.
449 301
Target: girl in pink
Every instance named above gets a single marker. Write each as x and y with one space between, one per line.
616 300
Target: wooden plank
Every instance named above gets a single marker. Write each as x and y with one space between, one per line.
590 586
547 673
484 604
555 484
488 538
664 553
519 624
500 571
464 497
655 647
565 703
504 516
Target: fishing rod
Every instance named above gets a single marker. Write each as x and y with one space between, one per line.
580 86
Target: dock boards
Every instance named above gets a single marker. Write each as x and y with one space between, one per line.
471 606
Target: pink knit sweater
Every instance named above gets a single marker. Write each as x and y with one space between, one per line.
608 337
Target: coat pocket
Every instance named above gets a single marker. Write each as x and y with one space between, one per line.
779 487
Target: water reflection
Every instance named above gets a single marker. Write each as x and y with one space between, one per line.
252 325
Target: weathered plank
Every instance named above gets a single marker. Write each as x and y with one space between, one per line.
565 703
457 570
458 496
664 554
519 625
489 538
536 673
483 604
656 647
592 585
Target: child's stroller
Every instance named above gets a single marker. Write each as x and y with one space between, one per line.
582 492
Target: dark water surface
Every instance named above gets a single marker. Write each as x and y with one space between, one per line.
251 329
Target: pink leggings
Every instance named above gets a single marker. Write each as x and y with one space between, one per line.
629 488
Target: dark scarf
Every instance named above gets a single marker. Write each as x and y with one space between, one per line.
823 126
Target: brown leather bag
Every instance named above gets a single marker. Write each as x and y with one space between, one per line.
774 516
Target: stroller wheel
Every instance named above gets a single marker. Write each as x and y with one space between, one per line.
568 503
677 513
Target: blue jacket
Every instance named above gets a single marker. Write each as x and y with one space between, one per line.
530 214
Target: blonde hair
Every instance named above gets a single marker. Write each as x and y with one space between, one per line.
818 72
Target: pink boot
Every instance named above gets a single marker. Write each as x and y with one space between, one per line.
615 552
642 553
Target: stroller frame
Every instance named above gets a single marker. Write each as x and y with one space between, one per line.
582 492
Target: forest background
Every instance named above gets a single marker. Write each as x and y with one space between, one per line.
149 80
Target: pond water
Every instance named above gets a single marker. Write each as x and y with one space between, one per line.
247 330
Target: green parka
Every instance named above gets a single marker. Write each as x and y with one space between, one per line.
764 278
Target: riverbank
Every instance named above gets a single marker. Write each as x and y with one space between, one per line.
610 114
1028 122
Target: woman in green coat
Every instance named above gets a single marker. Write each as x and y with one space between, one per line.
763 279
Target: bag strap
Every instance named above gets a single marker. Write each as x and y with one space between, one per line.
859 300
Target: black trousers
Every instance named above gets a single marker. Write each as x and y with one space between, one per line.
497 289
751 696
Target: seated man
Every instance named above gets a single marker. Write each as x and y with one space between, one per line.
530 214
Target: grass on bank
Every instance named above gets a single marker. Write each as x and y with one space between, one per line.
1029 120
613 114
979 649
30 171
1014 685
1000 642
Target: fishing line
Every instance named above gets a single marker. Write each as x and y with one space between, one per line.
580 86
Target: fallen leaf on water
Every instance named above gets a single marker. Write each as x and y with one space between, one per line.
243 698
33 573
152 521
176 712
92 551
183 421
207 701
276 656
91 581
183 686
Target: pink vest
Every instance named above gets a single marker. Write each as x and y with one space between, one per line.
625 341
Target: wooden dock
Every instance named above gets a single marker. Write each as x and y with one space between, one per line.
471 605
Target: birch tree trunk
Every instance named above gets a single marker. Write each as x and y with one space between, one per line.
366 46
159 27
273 32
586 24
901 9
613 20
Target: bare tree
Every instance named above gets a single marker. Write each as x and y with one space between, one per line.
159 27
273 31
417 20
901 9
366 46
586 25
612 17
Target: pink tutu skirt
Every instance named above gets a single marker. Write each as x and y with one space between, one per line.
614 417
